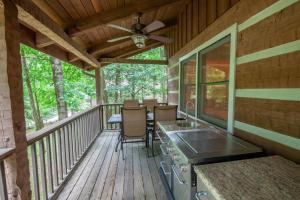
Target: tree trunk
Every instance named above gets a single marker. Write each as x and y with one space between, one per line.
58 81
99 85
33 101
154 90
117 83
133 90
103 84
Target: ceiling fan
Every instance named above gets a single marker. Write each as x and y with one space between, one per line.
141 32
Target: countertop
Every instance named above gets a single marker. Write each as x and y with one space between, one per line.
265 178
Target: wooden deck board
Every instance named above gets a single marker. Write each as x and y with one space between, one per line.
128 180
103 174
138 188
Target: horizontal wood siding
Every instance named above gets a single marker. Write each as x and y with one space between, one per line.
273 118
276 72
270 146
279 28
276 115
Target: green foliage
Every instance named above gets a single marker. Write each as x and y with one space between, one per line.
79 89
122 81
136 81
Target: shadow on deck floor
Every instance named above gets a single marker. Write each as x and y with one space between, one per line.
103 174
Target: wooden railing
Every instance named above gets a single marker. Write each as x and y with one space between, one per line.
55 151
107 111
4 153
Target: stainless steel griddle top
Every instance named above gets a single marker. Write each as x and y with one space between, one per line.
204 144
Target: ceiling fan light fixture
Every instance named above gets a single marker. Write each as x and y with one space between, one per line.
139 40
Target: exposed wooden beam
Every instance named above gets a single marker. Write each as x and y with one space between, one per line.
42 41
50 12
133 61
28 38
29 13
86 24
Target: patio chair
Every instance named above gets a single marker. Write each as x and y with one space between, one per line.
128 103
150 103
162 113
134 126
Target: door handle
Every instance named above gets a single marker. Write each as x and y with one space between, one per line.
177 176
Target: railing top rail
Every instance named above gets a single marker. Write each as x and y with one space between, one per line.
38 135
113 104
6 152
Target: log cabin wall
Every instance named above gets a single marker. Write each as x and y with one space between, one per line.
267 102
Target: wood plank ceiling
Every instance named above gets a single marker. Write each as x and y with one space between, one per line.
84 21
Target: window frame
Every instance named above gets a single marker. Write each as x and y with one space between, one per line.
229 32
200 95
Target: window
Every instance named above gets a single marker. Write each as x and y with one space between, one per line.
188 85
213 82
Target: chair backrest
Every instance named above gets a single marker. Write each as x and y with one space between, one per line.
134 122
150 103
131 103
164 113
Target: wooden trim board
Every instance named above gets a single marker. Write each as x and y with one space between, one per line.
270 135
266 53
289 94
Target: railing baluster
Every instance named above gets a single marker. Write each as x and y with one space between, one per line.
75 140
60 155
80 136
89 128
67 149
35 172
83 132
3 189
55 159
43 169
49 164
64 154
70 140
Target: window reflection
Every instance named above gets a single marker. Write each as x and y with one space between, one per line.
188 85
214 73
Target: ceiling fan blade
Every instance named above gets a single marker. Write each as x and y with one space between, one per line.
155 25
160 38
119 38
120 27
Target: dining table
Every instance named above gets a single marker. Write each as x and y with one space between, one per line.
117 119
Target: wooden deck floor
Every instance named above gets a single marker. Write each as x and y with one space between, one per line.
103 174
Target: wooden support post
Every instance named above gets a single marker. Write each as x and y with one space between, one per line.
12 120
99 91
